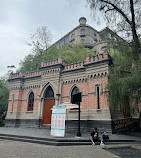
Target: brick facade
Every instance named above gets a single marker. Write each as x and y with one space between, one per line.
86 76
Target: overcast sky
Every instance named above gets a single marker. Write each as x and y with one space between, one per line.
20 18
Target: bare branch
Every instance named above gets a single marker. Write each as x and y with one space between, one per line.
118 10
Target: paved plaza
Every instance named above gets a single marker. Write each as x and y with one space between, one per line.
12 149
19 149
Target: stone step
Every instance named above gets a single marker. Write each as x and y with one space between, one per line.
46 142
59 141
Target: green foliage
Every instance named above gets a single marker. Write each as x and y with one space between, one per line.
116 13
4 94
125 79
33 61
69 54
75 53
51 54
30 63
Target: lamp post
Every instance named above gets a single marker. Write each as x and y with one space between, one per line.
76 99
11 67
78 133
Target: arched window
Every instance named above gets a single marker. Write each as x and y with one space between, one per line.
30 102
49 92
75 90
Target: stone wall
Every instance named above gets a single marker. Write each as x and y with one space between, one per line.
82 34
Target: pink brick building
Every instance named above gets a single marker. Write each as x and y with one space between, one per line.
33 95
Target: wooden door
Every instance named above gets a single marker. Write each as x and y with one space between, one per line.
48 104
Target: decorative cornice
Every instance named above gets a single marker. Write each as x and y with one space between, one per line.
105 57
94 76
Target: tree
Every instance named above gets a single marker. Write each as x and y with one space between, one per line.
69 54
75 53
123 15
41 50
33 61
124 82
30 63
41 40
4 94
51 54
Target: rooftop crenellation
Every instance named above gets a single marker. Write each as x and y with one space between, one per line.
74 66
52 62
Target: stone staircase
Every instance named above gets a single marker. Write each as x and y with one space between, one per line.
59 141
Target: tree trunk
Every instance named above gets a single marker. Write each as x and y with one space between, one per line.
134 33
126 110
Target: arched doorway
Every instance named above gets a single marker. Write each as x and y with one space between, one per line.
75 90
49 102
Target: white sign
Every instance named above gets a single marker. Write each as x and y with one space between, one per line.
58 121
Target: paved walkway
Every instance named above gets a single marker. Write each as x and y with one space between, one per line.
9 149
22 149
45 133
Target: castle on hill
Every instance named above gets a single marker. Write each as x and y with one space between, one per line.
88 36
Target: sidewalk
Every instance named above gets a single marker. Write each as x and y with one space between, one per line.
43 136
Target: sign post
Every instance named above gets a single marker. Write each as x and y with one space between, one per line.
76 99
79 133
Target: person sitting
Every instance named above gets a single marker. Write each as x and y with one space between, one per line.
94 136
104 136
102 139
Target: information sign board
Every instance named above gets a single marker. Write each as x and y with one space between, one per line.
58 121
